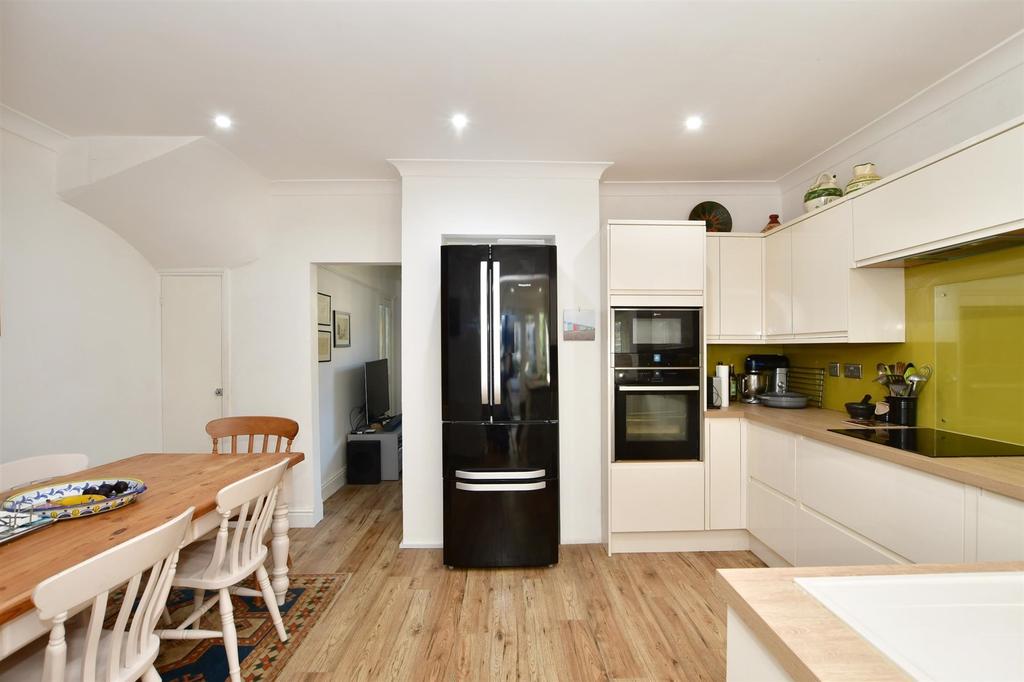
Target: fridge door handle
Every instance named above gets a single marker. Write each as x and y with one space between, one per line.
499 487
496 330
665 389
490 475
484 397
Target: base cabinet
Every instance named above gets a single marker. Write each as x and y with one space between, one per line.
771 518
656 496
724 464
820 542
1000 528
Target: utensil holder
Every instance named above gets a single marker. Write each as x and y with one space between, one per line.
902 410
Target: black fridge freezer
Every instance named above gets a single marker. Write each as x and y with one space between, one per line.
499 405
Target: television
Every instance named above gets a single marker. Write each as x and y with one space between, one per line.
375 375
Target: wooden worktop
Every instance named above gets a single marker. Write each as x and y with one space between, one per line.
1003 475
174 483
806 638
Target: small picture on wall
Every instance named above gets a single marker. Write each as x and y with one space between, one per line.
342 329
323 345
579 325
323 310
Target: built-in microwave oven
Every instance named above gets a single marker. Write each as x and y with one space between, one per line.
656 337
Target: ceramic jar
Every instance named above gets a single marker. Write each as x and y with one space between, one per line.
863 175
773 222
823 191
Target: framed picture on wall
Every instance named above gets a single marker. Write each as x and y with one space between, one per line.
342 329
323 310
323 345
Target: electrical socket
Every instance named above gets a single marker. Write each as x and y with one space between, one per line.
833 369
853 370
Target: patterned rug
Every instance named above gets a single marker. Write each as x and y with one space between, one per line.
261 653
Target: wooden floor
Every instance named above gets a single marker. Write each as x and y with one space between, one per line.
401 615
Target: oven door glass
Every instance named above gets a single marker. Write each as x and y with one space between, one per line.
650 337
657 423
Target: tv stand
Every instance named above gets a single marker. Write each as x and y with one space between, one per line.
390 438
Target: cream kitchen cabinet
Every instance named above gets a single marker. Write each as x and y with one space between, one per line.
778 284
657 496
733 309
821 260
724 464
656 258
1000 528
975 191
772 519
771 458
712 288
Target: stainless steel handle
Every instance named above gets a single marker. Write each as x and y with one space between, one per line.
496 331
499 487
484 398
666 389
485 475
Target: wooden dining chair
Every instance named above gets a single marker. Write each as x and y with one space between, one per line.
19 472
258 429
237 551
87 651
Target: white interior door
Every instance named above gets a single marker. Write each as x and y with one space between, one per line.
191 359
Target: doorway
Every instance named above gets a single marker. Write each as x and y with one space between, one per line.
191 358
363 338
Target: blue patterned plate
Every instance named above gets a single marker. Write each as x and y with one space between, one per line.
44 500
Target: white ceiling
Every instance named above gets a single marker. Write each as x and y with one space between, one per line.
330 90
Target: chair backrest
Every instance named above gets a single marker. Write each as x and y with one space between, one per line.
267 429
132 637
28 469
253 499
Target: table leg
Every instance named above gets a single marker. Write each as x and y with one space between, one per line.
279 548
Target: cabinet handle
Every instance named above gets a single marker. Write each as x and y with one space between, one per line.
499 487
491 475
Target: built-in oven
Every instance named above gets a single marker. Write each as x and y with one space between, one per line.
656 337
657 414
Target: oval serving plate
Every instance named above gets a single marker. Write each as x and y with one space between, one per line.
43 499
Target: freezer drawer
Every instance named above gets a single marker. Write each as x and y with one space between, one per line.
500 446
500 523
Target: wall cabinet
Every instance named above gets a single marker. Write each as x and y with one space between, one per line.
946 202
657 496
778 284
656 257
822 257
724 463
734 292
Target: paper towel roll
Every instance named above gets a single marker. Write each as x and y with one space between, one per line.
722 372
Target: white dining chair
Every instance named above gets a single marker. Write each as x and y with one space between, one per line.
125 652
238 550
28 469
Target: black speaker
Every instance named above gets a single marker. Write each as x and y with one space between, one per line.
363 461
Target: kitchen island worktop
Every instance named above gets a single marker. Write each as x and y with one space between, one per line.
1002 475
803 636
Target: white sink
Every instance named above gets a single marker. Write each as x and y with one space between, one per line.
941 626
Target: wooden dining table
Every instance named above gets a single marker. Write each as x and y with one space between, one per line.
174 482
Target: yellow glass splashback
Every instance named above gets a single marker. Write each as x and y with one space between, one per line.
979 363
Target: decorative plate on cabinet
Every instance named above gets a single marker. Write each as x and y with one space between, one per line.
714 214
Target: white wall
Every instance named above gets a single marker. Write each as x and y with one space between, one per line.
80 366
480 198
357 290
749 203
976 97
273 357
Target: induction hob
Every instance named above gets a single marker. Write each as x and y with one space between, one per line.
935 443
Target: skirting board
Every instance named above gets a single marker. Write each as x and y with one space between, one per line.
770 558
420 545
301 518
333 484
679 541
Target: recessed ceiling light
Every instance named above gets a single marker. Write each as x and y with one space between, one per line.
694 122
221 121
459 122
